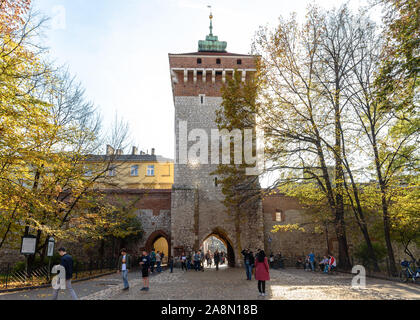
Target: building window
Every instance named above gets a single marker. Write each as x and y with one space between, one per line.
239 61
218 61
134 171
112 172
199 61
279 217
202 98
216 182
151 170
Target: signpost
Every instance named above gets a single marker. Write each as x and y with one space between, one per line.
50 253
27 248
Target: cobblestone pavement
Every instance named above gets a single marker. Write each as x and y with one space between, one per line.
289 284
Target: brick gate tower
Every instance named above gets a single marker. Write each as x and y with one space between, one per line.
197 211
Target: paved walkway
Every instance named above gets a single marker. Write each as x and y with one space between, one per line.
289 284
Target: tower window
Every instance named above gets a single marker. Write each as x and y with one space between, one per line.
218 61
279 216
216 182
199 61
239 61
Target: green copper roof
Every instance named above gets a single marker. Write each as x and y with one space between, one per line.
212 43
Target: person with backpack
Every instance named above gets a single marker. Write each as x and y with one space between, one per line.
262 271
124 265
145 263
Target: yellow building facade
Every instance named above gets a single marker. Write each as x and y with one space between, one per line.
132 171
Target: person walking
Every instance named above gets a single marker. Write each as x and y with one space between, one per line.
202 258
196 260
158 262
152 260
67 262
216 259
145 263
184 261
311 258
189 261
262 272
252 262
171 263
124 265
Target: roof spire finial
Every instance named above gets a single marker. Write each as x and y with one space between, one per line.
212 43
211 21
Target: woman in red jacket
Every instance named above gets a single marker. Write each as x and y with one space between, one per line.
262 273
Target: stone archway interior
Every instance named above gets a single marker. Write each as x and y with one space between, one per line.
161 245
217 233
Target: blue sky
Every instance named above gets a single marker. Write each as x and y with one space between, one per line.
119 50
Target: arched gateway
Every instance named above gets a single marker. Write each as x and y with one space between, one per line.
220 234
197 209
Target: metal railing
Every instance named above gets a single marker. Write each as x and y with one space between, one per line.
20 279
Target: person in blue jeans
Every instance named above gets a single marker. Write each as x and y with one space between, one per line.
124 264
158 258
197 261
247 263
311 257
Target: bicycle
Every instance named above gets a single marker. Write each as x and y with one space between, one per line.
408 273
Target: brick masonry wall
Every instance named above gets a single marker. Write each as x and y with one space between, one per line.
189 88
152 207
294 242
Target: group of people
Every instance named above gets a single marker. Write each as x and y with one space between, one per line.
196 260
147 264
327 264
258 265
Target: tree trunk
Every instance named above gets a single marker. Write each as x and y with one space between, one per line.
385 214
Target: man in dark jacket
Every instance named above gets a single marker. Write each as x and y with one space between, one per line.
247 263
124 265
67 262
216 258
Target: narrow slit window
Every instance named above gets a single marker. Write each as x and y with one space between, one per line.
202 98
